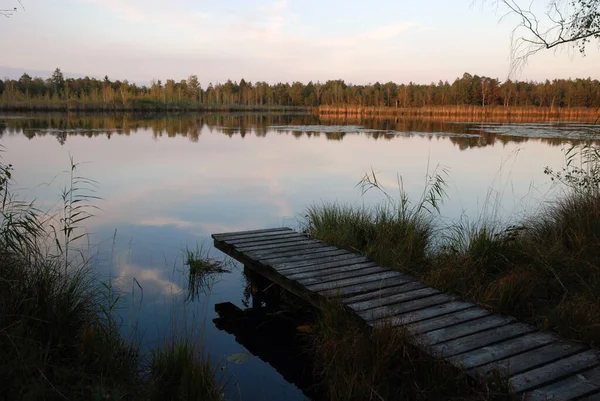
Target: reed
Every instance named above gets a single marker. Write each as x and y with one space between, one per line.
545 269
470 113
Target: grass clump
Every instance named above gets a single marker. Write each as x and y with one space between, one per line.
202 271
395 233
179 370
386 234
357 363
562 247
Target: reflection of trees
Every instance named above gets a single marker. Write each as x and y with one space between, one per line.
192 126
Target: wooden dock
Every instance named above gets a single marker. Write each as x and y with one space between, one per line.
539 365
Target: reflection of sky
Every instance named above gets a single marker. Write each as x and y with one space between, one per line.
164 194
222 183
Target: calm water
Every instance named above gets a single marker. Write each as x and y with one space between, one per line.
168 182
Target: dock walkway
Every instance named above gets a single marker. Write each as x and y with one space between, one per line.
539 365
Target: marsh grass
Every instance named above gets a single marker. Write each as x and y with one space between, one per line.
395 233
544 269
55 340
354 362
179 370
60 334
202 271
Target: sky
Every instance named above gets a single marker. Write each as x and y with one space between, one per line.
274 40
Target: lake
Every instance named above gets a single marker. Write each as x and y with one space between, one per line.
167 182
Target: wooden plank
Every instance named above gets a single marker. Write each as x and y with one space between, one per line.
321 266
383 293
340 276
277 253
284 241
362 288
371 315
570 388
554 371
502 350
273 255
392 299
266 246
251 236
336 258
529 360
258 240
296 275
460 316
424 314
308 257
463 329
351 281
351 263
249 232
479 340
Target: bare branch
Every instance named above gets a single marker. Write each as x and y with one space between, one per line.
565 23
10 11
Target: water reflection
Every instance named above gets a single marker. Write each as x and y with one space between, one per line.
191 126
269 330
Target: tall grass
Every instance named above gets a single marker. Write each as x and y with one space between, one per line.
59 334
55 340
396 233
544 269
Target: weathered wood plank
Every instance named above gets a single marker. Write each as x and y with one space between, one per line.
461 316
479 340
463 329
371 315
554 371
297 275
502 350
362 288
254 236
424 314
383 293
298 245
302 267
392 299
570 388
280 254
313 258
529 360
291 237
349 264
351 281
235 234
340 276
336 258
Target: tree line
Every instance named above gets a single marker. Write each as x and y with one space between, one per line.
90 93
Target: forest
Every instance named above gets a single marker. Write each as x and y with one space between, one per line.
58 93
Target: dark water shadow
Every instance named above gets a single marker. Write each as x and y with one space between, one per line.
269 330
